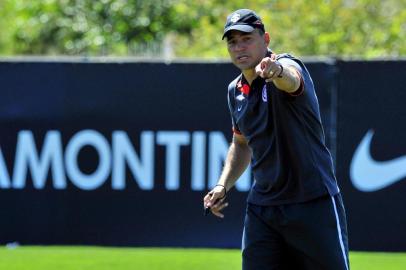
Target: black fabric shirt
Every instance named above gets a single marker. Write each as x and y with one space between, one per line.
290 161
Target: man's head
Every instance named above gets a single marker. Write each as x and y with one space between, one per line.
244 20
247 41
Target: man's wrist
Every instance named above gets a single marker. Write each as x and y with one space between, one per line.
224 188
280 75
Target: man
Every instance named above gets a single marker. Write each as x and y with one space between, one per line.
295 217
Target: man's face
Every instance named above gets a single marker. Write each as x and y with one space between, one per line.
247 49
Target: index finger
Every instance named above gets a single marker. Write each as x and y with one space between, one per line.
258 69
207 198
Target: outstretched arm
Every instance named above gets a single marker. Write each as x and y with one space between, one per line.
285 77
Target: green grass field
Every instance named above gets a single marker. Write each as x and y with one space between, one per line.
99 258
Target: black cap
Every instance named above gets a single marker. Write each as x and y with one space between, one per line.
244 20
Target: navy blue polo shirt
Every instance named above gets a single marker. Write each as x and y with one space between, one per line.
290 161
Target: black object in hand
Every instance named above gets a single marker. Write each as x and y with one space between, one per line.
206 211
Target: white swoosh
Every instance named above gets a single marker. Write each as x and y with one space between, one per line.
369 175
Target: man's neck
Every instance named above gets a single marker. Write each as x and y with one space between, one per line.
249 75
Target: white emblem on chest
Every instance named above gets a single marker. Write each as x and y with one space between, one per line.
264 94
240 97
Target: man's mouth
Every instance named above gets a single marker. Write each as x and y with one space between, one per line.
242 57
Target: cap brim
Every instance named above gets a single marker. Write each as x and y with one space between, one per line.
239 27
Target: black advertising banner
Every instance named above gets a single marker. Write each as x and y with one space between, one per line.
324 75
371 157
120 153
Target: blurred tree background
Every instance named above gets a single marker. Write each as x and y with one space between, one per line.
182 28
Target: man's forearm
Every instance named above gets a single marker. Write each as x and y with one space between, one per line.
289 80
238 158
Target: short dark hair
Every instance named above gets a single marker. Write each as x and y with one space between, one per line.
261 31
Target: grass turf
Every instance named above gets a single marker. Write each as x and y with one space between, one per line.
101 258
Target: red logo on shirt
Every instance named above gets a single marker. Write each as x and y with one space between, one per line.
244 88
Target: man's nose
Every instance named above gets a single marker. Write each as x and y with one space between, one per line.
239 46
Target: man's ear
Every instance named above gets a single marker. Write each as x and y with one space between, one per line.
267 38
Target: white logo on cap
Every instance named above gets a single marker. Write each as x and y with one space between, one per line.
235 17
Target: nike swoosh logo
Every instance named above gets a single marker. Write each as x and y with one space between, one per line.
239 108
369 175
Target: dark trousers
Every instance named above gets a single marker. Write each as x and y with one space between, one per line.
311 235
